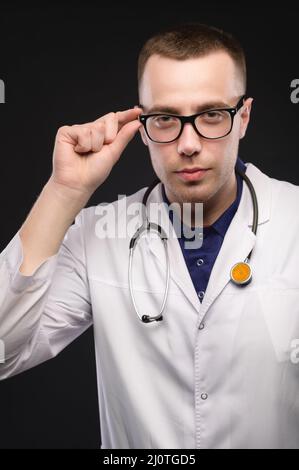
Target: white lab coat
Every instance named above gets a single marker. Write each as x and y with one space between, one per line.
221 374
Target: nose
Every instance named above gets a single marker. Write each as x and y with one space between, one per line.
189 142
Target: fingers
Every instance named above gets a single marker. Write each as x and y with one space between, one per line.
115 121
97 139
113 128
84 138
129 115
122 139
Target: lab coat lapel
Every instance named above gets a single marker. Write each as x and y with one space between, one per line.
239 240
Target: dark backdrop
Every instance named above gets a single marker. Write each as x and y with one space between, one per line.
68 64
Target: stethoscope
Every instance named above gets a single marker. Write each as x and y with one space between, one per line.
240 273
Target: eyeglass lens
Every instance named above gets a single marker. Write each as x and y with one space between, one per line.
212 125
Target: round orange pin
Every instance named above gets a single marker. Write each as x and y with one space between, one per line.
241 274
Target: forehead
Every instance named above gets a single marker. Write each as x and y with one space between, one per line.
191 81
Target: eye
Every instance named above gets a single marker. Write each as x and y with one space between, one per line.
164 121
213 116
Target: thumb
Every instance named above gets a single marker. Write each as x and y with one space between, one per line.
124 136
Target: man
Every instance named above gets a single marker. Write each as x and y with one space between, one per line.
219 371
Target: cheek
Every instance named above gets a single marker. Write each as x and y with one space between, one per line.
237 128
228 150
222 155
160 156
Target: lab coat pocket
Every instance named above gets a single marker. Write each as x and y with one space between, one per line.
280 309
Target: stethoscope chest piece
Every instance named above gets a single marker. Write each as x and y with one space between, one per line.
241 274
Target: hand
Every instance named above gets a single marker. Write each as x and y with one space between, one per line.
85 154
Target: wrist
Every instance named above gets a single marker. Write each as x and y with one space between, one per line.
71 196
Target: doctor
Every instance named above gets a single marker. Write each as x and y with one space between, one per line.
220 370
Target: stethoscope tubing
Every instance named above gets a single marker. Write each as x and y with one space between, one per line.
147 226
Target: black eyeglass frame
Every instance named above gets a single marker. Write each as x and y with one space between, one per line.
184 119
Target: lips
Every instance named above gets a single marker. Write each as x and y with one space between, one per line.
192 174
191 170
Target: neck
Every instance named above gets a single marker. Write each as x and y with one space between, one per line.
221 201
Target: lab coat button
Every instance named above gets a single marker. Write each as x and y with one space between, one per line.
199 262
201 294
201 326
204 396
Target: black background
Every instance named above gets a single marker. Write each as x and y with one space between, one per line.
69 64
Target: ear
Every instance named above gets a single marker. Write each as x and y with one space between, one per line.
245 117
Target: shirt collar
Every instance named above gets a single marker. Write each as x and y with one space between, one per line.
222 223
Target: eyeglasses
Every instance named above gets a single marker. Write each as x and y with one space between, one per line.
210 124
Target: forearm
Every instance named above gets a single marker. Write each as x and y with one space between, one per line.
47 223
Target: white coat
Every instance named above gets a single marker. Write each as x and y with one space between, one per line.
221 374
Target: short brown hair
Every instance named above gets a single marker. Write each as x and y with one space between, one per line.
191 40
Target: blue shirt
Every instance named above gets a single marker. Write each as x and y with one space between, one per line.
200 261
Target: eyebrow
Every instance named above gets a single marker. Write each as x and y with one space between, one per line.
173 110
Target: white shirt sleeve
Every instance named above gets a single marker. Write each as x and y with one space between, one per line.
42 313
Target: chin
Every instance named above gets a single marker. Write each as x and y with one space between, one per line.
192 194
195 192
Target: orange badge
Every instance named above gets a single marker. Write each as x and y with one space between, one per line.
241 274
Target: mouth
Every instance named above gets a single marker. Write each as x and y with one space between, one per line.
192 174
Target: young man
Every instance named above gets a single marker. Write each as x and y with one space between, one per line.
219 371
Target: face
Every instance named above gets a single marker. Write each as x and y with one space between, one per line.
188 87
